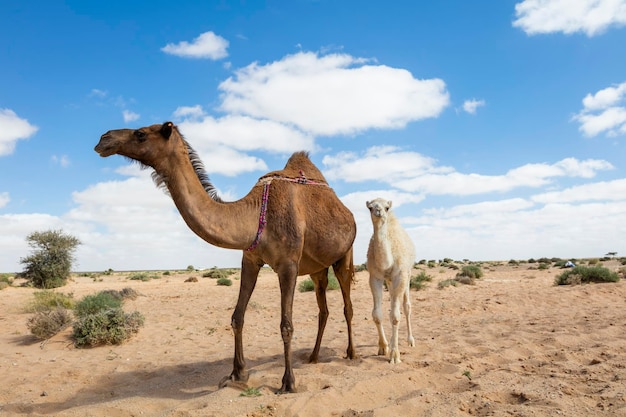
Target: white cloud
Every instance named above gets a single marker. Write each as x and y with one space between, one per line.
4 199
599 191
604 111
244 134
13 129
207 45
62 160
591 17
412 172
386 164
190 112
332 94
95 92
470 106
129 116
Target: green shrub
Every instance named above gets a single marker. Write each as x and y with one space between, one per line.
126 293
471 271
224 281
50 263
215 273
45 324
109 327
594 261
142 276
94 304
308 285
359 268
586 274
47 300
543 266
418 281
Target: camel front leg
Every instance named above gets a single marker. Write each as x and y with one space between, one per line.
321 283
376 285
249 273
395 292
407 314
287 277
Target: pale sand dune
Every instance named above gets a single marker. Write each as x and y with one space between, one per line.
529 347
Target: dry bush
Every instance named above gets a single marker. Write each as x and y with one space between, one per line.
45 324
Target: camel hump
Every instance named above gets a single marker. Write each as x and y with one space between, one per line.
299 165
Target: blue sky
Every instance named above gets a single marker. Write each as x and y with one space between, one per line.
498 129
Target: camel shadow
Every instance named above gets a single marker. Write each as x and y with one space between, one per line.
181 382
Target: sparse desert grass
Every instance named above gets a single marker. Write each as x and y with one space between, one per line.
308 285
586 274
446 283
45 324
6 280
418 281
47 300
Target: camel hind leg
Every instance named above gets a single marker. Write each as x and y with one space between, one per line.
344 271
321 283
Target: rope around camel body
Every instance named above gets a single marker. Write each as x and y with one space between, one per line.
266 181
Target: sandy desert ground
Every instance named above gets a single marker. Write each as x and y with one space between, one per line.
513 344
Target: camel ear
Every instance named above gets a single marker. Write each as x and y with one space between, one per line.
166 129
368 204
389 202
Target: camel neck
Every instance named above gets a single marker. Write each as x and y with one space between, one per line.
382 245
231 225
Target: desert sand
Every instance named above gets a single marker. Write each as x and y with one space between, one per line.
513 344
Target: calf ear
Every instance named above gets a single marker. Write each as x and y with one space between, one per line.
166 129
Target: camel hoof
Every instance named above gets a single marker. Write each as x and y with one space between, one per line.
395 357
234 380
383 351
411 341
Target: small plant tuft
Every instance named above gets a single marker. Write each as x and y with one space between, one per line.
419 280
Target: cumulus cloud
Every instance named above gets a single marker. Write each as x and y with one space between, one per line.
244 134
604 111
207 45
470 106
13 129
591 17
412 172
332 94
129 116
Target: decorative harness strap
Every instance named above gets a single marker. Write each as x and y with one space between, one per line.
266 181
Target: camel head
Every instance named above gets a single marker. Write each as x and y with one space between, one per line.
379 208
146 145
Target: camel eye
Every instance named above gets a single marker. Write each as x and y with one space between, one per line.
140 135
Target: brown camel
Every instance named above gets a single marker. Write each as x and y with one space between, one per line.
291 220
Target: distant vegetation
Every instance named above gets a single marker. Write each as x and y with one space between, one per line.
586 274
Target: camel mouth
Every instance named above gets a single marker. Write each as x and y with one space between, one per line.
103 150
